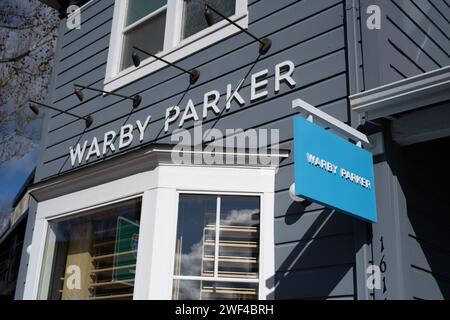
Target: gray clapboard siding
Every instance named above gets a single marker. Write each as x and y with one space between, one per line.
246 117
442 9
438 226
114 109
440 19
318 93
206 62
90 40
425 222
311 225
342 298
422 39
327 67
284 125
89 11
320 283
82 55
425 285
285 174
285 206
421 252
414 38
405 45
88 27
224 48
90 61
402 68
419 24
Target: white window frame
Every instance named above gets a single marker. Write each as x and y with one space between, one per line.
174 48
160 189
215 278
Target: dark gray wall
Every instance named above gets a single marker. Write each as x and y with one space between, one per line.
414 38
315 247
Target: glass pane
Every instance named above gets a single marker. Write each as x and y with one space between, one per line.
92 256
239 237
148 36
138 9
194 18
208 290
195 244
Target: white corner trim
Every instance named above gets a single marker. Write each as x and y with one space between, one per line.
404 95
36 258
174 49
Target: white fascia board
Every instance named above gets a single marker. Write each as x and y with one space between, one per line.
404 95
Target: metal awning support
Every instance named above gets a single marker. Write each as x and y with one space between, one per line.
314 114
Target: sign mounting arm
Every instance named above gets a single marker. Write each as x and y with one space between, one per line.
312 112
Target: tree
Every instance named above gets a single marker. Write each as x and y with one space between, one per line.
28 31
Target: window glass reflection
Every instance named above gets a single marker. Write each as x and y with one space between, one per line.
92 256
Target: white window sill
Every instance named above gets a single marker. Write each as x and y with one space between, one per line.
185 48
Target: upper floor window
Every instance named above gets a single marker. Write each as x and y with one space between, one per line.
172 29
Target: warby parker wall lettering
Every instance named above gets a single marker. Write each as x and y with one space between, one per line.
212 103
124 137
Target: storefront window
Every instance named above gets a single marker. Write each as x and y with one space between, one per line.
92 256
217 248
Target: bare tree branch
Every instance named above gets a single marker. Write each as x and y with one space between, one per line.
27 41
36 46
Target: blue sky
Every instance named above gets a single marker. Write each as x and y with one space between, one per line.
14 173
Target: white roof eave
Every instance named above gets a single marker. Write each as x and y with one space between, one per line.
404 95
